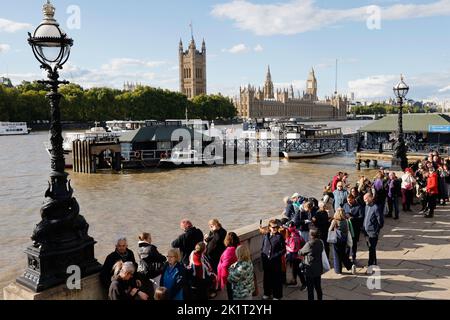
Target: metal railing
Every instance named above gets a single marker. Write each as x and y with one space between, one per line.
420 147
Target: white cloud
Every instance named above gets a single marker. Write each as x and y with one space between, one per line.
422 86
447 88
119 63
113 74
4 48
298 16
258 48
239 48
11 26
373 87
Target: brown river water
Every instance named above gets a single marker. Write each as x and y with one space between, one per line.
153 201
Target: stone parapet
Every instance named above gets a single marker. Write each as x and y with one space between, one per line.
91 289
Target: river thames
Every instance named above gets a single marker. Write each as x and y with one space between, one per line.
116 204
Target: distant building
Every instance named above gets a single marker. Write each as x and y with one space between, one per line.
266 102
130 86
6 82
192 70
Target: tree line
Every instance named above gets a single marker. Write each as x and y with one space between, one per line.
379 108
27 102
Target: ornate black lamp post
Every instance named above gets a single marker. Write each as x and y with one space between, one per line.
61 239
400 156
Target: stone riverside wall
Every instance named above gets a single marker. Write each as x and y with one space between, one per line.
91 288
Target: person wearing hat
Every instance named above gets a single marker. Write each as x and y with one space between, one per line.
296 202
289 210
272 251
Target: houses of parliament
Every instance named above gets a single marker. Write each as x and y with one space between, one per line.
282 103
260 103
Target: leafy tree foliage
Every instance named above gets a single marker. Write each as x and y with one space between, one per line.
27 102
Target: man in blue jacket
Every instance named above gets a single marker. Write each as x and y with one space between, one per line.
373 223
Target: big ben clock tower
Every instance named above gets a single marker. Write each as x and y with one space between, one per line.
311 86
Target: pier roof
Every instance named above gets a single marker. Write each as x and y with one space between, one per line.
411 123
159 133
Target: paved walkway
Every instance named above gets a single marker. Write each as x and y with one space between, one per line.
413 254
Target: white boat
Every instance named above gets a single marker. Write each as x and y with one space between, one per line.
188 158
123 125
304 155
13 128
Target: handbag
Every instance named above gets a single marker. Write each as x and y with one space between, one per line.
349 237
350 228
332 236
325 263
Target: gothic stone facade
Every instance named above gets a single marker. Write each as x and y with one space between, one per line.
265 103
192 70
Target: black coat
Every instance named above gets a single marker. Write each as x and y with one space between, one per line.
110 261
312 251
299 220
187 242
151 260
273 247
322 223
215 246
356 212
289 212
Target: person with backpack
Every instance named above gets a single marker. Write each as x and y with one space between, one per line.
151 262
294 243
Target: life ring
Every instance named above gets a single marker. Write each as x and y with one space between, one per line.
137 154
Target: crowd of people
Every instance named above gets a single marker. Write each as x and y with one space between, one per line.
297 247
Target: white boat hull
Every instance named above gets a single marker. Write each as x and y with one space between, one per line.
304 155
13 129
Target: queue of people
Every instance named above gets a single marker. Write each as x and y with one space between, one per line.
295 251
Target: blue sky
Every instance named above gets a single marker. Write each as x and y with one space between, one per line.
137 41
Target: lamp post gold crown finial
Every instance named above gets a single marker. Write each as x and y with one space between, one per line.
49 11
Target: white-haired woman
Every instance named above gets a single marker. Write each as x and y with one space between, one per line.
174 277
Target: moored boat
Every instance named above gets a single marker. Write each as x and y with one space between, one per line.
13 128
304 155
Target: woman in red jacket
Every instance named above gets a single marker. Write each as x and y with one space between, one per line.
432 191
